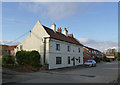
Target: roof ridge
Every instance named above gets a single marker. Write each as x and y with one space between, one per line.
62 37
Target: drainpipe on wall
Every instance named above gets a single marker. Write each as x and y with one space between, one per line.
44 55
46 65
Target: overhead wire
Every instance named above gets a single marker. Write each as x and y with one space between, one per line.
20 36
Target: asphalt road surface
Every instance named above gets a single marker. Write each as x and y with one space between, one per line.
104 72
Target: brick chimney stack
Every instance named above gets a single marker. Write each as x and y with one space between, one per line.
59 30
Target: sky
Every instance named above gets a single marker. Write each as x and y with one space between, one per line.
95 24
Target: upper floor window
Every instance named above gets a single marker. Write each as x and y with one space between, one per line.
92 51
79 50
21 47
58 47
68 48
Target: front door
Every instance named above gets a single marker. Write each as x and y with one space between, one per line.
73 59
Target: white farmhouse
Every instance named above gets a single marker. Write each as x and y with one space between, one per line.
57 50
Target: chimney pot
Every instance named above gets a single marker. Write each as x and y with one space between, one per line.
59 30
65 32
53 27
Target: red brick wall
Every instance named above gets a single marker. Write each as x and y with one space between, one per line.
86 55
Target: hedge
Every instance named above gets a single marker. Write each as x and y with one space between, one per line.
106 59
28 57
34 58
21 57
97 59
8 59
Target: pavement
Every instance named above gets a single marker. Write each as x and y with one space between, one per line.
104 72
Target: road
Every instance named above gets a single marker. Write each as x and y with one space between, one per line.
104 72
0 74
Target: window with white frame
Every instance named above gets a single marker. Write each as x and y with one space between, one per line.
68 48
21 47
79 50
68 59
58 47
79 59
58 60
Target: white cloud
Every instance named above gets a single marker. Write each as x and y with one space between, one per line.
9 42
52 11
100 45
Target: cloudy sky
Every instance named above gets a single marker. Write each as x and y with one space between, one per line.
95 24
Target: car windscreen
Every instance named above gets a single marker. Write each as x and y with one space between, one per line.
89 61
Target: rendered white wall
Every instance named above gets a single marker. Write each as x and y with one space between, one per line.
35 40
64 54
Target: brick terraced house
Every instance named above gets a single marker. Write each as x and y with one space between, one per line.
90 53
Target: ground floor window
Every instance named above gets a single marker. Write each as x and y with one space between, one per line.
21 47
69 60
79 59
58 60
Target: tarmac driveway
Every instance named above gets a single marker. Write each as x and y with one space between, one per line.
102 73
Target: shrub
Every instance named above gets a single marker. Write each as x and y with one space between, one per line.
104 58
108 60
97 59
118 57
20 57
35 58
28 57
8 59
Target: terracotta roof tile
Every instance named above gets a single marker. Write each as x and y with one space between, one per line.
61 37
71 35
12 47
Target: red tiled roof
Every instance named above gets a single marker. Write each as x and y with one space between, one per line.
109 54
11 47
71 35
61 37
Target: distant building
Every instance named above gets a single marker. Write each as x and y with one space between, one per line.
110 51
6 49
90 53
86 54
111 56
11 49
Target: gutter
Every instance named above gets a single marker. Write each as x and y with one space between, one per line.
44 54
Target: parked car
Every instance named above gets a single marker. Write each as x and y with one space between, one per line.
90 63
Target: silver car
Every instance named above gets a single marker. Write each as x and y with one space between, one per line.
90 63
